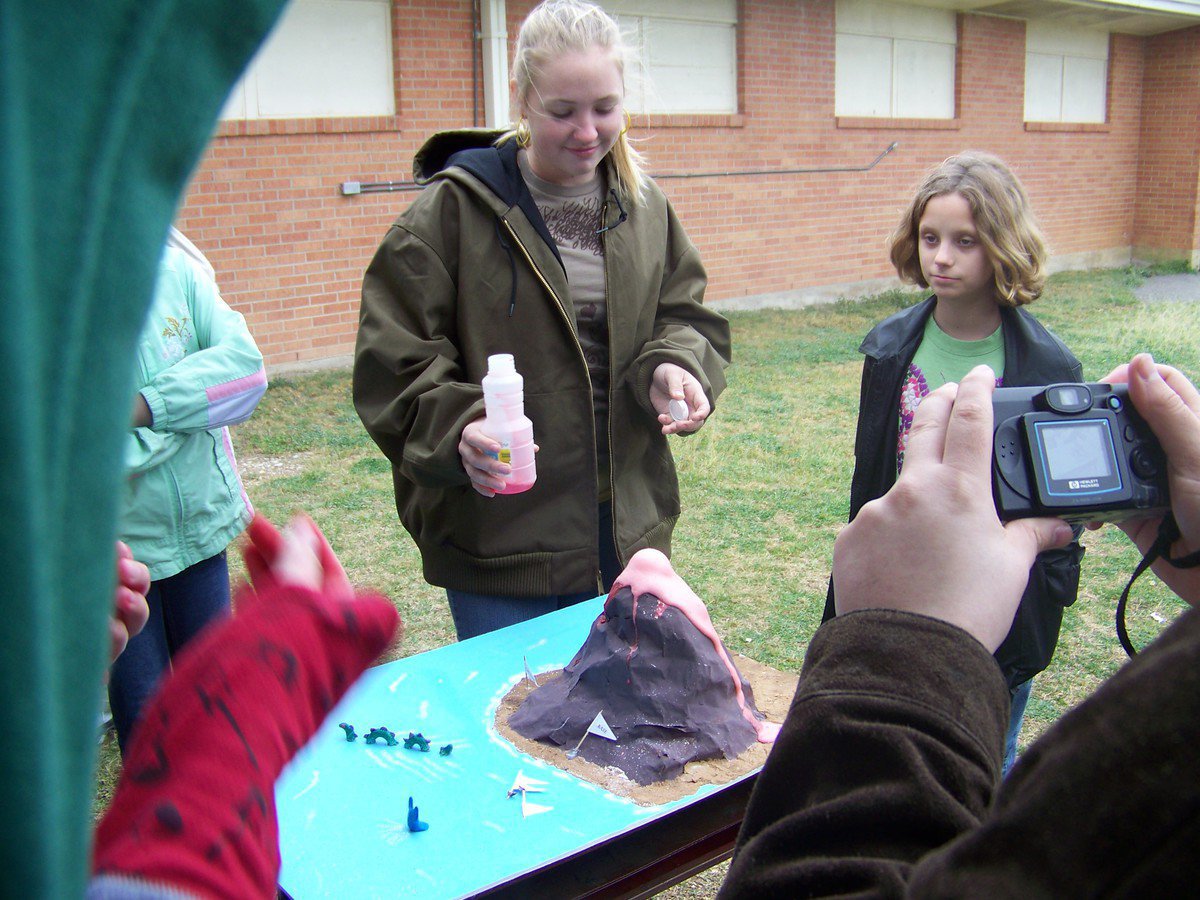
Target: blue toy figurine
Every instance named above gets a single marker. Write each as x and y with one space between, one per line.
414 822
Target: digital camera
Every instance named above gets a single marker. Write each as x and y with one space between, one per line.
1076 451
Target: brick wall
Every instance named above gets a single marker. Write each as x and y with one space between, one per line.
266 207
1169 169
290 250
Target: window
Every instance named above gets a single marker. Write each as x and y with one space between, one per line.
1066 73
324 58
894 61
688 54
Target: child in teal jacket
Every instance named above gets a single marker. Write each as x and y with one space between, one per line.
198 372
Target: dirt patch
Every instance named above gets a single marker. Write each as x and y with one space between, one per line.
773 692
256 469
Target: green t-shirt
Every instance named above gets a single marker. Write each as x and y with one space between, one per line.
940 359
102 124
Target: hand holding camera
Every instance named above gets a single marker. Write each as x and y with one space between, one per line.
1170 405
932 544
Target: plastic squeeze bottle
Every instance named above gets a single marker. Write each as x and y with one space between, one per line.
504 402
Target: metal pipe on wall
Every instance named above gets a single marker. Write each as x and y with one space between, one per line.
807 171
476 37
349 188
493 25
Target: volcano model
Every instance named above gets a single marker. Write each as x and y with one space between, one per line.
655 669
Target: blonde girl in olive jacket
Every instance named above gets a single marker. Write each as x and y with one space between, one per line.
546 242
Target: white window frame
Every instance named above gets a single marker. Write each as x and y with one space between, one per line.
894 60
323 59
686 55
1066 73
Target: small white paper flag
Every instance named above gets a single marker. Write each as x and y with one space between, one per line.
532 809
600 727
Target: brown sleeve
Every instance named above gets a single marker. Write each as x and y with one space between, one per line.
1105 803
891 748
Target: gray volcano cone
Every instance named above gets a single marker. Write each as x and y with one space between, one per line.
664 690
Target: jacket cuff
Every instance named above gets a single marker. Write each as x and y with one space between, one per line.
643 376
158 407
918 658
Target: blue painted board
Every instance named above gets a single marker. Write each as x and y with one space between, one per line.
343 806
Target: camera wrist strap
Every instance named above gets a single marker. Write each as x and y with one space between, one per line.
1168 534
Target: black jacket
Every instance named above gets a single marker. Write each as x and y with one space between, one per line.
1032 356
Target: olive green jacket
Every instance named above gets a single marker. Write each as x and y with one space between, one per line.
469 270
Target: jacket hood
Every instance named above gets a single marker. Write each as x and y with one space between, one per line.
473 149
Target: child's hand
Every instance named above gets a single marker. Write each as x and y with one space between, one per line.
195 805
299 556
130 610
476 447
675 383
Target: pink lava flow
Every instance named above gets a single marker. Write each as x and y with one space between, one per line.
650 572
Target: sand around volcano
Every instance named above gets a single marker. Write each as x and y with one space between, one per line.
668 691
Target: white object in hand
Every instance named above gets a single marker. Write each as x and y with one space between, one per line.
504 405
678 410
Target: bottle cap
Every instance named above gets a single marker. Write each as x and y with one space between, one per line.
501 364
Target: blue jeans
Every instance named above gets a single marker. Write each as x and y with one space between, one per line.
180 607
476 614
1016 715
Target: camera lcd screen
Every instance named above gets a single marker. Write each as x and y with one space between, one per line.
1077 458
1078 450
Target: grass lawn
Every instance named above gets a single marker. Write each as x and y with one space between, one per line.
765 483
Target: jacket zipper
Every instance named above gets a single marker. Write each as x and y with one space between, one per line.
557 300
612 486
583 359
